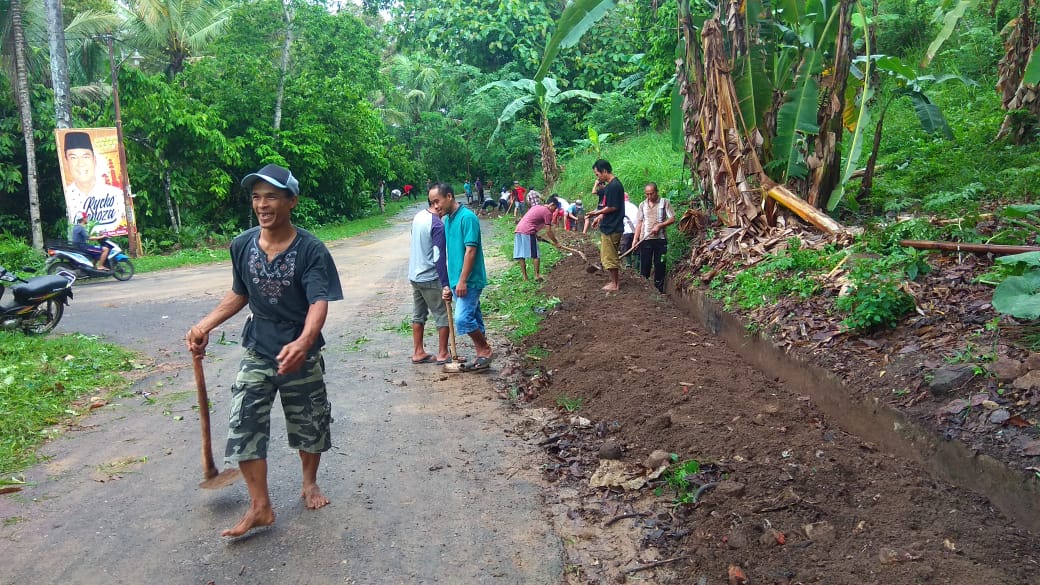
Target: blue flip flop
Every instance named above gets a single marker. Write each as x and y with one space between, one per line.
429 358
481 363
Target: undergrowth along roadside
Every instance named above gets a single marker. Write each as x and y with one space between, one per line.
41 378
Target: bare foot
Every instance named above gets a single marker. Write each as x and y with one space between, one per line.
254 518
610 286
313 498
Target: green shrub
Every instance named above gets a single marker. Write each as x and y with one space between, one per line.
15 254
878 297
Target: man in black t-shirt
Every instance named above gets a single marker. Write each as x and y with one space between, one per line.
609 217
287 277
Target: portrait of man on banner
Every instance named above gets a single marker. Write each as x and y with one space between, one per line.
89 161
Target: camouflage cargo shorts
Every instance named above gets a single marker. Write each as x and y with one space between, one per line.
308 414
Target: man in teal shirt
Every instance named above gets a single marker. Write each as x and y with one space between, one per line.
466 274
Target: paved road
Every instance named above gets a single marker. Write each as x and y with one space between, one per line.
425 482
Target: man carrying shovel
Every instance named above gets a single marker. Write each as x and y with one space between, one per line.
655 215
287 277
466 274
525 238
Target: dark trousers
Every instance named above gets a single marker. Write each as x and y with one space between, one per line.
651 255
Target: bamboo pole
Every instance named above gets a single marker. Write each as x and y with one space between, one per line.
998 249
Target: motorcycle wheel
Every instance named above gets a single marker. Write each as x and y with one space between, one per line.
123 269
44 318
59 266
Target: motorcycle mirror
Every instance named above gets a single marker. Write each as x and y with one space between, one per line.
29 269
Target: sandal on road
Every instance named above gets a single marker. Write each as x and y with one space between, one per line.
482 363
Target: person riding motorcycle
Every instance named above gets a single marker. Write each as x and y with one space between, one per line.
80 237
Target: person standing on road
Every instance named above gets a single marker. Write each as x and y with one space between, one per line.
525 237
654 217
609 218
428 273
468 188
287 278
467 276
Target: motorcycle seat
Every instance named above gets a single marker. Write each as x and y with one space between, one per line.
39 286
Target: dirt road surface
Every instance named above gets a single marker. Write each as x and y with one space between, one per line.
425 482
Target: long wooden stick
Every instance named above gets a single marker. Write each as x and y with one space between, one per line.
998 249
212 477
451 329
209 468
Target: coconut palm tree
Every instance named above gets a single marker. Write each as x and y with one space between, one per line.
177 29
16 67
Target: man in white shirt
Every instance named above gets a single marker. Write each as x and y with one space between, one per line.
628 235
653 218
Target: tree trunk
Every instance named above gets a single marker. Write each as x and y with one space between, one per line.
25 110
868 174
829 117
550 170
1021 100
284 67
168 191
59 65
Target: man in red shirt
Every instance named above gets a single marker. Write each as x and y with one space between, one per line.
518 198
525 238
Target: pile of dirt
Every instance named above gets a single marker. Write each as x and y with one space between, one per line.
788 496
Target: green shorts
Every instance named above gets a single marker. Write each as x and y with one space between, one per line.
308 414
608 254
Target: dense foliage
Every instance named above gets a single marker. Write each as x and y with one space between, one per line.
349 96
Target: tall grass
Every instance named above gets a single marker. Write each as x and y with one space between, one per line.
641 159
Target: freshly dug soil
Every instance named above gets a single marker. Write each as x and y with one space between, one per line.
791 497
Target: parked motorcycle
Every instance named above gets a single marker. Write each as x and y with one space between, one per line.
66 256
35 305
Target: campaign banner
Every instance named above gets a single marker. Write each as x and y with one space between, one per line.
92 177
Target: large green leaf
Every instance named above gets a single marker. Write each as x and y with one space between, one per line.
576 20
931 118
510 112
1020 210
1032 72
675 121
862 120
1027 258
949 23
1018 296
754 91
797 115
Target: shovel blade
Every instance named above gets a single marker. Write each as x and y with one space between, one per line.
222 479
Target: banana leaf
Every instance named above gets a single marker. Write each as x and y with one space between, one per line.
931 118
798 114
950 21
576 20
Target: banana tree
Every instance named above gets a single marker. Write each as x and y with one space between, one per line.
543 91
1019 76
752 79
542 96
904 80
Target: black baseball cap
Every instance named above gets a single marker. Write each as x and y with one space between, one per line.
280 177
